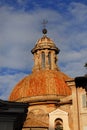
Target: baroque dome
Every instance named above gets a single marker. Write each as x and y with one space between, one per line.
41 83
46 78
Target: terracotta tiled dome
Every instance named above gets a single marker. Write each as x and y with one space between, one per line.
44 88
44 82
46 78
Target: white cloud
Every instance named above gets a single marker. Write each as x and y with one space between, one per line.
21 1
20 30
7 82
79 11
19 33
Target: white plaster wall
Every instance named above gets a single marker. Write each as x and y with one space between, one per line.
58 114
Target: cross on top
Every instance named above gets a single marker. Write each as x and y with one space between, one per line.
44 23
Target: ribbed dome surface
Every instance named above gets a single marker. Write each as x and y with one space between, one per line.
44 82
45 43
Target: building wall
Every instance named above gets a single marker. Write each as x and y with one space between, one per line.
35 129
44 115
79 106
82 105
58 114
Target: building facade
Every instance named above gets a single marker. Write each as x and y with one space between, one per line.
52 102
12 115
79 102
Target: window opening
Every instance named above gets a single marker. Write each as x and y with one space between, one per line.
49 59
58 124
43 60
84 100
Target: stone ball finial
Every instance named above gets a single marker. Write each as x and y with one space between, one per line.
44 31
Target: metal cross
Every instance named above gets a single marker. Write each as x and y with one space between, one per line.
44 23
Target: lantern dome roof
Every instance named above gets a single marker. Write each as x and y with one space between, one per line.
45 43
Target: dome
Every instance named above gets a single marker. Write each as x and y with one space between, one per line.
44 88
45 43
41 83
46 79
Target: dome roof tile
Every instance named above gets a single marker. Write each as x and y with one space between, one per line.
44 82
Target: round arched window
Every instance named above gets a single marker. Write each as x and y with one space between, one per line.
58 124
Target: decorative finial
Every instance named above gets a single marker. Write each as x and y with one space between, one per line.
44 26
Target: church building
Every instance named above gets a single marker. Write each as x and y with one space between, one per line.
51 94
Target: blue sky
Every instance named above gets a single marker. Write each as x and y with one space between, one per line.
21 27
